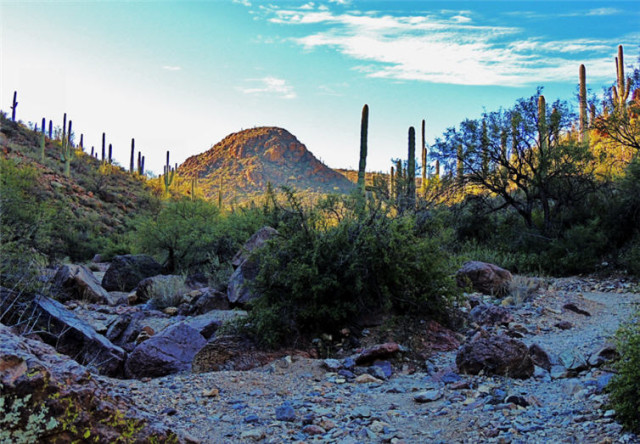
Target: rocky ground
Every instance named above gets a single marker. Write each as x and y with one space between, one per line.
298 399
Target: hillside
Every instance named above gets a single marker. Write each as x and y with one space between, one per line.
243 163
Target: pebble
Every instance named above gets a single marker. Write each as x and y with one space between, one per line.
428 396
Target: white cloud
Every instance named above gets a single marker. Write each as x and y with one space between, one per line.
171 68
246 3
445 47
604 11
269 85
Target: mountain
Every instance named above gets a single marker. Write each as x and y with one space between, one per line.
243 163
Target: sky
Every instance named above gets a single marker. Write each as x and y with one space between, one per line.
182 75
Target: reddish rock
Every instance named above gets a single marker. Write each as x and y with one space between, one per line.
497 355
484 277
380 351
440 338
540 357
491 315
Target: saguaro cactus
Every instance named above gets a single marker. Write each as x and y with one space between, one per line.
194 187
67 151
583 104
364 129
44 125
110 158
14 106
133 153
424 157
50 129
460 165
140 163
103 146
411 169
42 147
82 142
621 93
485 147
392 180
543 137
169 174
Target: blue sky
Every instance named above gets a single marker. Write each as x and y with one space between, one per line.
183 75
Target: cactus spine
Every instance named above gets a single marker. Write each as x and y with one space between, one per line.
583 104
543 138
14 106
169 174
621 93
133 153
411 169
364 129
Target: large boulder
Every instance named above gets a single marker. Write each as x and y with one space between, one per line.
60 401
495 355
207 299
485 278
79 283
76 338
238 292
208 323
170 351
125 272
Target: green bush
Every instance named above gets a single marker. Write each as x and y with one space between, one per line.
624 388
341 260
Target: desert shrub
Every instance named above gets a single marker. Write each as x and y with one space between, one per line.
167 292
624 388
341 260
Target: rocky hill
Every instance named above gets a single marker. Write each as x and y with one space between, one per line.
243 163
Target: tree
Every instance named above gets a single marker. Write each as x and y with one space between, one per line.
524 155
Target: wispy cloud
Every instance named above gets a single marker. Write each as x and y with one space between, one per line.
269 85
604 11
243 2
171 68
446 47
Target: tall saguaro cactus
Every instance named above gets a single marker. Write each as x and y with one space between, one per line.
110 158
411 169
14 106
424 158
621 93
103 146
364 129
169 174
543 137
44 125
460 165
133 153
67 150
50 129
42 155
583 104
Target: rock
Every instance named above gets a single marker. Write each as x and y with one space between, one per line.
168 289
125 272
332 365
46 383
427 396
574 308
229 353
499 355
485 278
208 300
517 400
168 352
79 283
377 372
602 382
564 325
377 352
385 367
313 429
440 338
247 267
125 331
285 412
207 324
573 361
76 338
491 315
540 357
367 379
606 353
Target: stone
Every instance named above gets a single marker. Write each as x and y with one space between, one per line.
49 382
574 308
485 278
606 353
440 338
166 288
491 315
332 365
427 396
313 429
79 283
208 323
385 367
367 379
573 361
168 352
285 412
540 357
76 338
564 325
208 299
230 353
247 267
376 352
496 355
126 271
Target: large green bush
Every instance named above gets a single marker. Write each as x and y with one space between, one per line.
624 387
341 260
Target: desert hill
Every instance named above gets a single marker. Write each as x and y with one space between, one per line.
243 163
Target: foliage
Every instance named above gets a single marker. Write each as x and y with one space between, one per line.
341 260
167 292
624 387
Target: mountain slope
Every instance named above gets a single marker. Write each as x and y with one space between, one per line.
243 163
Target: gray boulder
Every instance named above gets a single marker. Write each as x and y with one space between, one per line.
125 272
485 278
79 283
168 352
207 324
495 355
238 292
490 315
76 338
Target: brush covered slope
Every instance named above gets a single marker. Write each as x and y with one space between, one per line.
243 163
